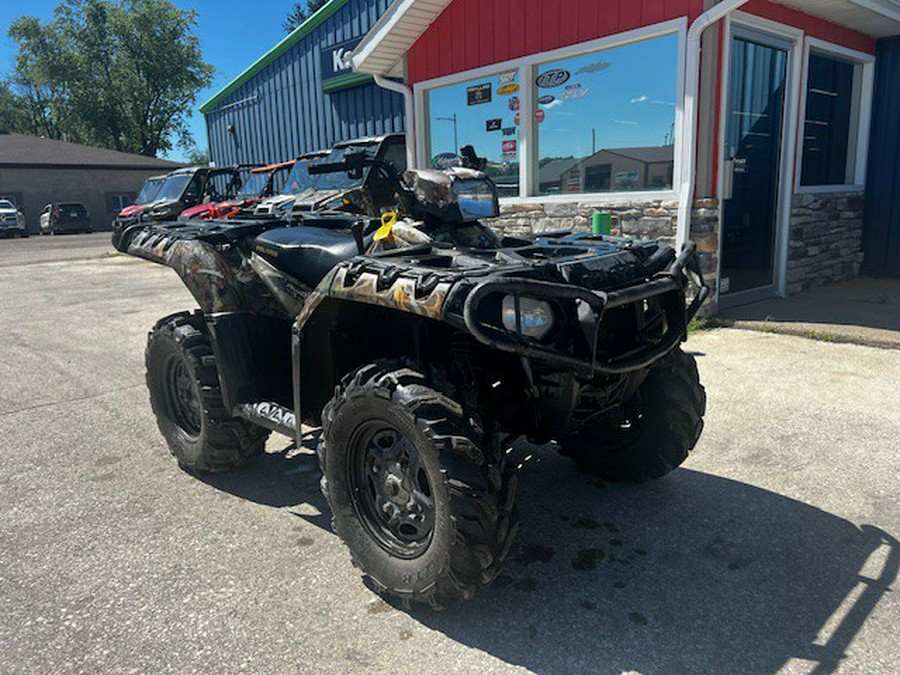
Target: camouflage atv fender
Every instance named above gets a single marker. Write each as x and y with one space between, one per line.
220 280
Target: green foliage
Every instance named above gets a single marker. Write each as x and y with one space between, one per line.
300 12
197 156
120 74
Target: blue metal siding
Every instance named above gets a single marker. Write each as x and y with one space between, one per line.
881 224
282 112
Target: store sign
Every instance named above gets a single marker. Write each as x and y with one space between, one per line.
335 60
546 99
514 103
507 77
552 78
478 94
509 131
539 115
494 124
627 176
517 119
508 89
509 149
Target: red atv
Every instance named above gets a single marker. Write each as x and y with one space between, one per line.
256 184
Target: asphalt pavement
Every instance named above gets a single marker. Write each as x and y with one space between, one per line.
773 549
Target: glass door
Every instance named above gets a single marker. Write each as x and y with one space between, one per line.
753 153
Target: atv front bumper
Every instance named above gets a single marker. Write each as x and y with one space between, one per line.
620 331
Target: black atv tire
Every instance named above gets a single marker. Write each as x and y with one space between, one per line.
187 400
671 404
454 462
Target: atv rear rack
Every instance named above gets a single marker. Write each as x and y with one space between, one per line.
670 284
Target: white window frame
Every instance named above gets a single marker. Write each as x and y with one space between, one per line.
524 65
866 62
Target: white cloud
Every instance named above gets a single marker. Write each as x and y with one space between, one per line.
629 122
640 99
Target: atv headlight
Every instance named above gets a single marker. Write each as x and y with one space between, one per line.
477 198
533 318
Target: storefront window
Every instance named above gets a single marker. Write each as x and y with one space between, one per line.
830 130
482 112
605 121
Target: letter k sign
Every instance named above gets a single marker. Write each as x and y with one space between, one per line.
339 60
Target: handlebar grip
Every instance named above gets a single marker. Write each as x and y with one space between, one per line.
315 168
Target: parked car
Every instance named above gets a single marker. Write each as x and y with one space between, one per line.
69 217
12 222
147 194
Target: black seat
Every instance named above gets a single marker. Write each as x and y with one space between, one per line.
305 253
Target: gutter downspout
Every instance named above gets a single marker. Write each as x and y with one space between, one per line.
689 123
408 112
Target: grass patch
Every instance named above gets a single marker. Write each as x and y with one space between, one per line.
698 324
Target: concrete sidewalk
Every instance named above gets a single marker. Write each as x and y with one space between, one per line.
862 311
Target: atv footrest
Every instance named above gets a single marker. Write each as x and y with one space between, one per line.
269 415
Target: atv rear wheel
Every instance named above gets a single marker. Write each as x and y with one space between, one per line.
662 425
418 488
187 401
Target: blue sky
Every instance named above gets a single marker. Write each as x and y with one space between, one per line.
233 34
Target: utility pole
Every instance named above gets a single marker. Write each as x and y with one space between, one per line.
455 139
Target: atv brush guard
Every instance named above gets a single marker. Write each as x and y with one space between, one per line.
667 288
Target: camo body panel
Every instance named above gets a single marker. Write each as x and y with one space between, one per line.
400 295
221 280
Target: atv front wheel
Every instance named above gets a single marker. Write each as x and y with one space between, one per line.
187 401
419 490
661 425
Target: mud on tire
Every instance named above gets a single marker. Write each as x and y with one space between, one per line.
187 399
395 421
663 427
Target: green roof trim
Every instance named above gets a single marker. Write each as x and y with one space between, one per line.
345 81
292 38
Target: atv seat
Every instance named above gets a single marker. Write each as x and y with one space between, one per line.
305 253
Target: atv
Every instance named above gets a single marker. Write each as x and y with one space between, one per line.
256 184
424 344
182 189
148 193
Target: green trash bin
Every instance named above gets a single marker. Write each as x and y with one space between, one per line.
601 223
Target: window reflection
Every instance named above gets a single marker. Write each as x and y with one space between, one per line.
606 120
482 112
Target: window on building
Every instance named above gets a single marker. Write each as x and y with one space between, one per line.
611 114
482 112
117 201
831 128
602 121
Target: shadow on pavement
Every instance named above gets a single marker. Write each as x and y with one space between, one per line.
692 573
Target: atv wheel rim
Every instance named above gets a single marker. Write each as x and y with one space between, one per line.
391 490
182 399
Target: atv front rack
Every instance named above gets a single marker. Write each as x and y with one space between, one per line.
668 287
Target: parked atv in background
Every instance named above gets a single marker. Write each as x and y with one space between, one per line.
148 193
256 184
297 181
424 344
364 192
182 189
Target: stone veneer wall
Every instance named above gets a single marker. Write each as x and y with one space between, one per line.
639 219
826 239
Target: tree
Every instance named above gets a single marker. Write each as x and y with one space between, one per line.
300 12
122 75
197 156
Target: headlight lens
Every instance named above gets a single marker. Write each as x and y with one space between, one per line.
477 198
535 316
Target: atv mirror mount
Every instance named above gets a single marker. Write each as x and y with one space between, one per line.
357 230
